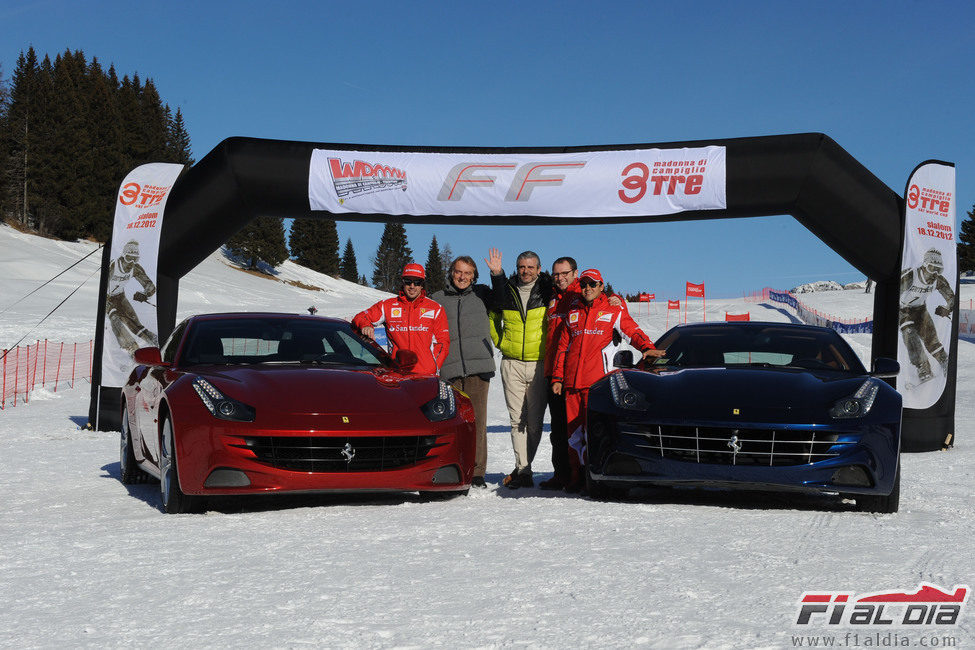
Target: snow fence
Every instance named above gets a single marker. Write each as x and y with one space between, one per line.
44 363
812 316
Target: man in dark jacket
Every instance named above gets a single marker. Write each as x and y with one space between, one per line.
469 365
565 282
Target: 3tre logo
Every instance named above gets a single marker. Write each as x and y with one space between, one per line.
930 200
130 192
668 177
146 196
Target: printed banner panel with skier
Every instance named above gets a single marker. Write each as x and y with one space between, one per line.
927 290
130 313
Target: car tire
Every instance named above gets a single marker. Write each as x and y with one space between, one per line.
442 496
602 492
129 471
879 503
173 499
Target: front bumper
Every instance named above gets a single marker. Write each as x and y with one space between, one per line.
224 458
859 459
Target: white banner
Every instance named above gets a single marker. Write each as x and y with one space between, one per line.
635 182
130 311
929 269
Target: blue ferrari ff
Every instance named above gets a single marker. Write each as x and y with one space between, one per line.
749 405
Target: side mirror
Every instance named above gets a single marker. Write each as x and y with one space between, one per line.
623 359
884 368
149 357
406 359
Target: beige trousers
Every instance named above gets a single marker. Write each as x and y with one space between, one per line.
526 394
477 389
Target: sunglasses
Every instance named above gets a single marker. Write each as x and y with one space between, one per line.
586 283
411 281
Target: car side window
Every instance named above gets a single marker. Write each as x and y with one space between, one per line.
172 343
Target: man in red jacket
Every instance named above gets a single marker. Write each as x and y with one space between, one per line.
587 329
565 286
413 322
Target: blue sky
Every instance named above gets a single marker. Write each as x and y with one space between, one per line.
892 82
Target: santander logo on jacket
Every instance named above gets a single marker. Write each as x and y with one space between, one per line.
419 325
585 332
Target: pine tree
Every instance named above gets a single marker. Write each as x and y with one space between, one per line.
446 257
134 151
154 123
349 269
178 140
18 137
261 240
4 107
392 255
105 151
67 151
4 94
40 170
315 243
363 280
436 276
966 243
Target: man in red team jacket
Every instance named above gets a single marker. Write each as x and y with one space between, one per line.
587 329
565 285
413 322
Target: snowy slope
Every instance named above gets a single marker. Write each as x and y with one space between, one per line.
88 562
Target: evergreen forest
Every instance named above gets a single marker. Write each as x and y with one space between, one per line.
70 131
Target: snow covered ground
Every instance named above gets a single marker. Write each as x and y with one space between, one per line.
88 562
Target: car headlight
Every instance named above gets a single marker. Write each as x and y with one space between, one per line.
858 404
221 406
625 397
443 406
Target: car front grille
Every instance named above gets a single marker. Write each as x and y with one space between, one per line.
738 446
342 454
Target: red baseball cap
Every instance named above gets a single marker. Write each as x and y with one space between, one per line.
414 271
592 274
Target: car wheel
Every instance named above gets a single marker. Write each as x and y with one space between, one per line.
173 499
879 503
130 471
602 492
442 496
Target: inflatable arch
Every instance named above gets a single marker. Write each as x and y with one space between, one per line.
807 176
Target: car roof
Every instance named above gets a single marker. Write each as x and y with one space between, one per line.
754 324
262 314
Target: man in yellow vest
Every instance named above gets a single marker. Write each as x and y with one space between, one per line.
518 329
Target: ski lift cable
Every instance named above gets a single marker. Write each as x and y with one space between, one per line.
7 351
53 279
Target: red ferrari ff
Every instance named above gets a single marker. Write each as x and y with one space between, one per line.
258 403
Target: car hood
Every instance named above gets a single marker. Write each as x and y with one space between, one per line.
314 390
759 394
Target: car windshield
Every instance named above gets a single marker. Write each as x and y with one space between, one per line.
278 340
757 346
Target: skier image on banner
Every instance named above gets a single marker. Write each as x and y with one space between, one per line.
916 326
119 311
